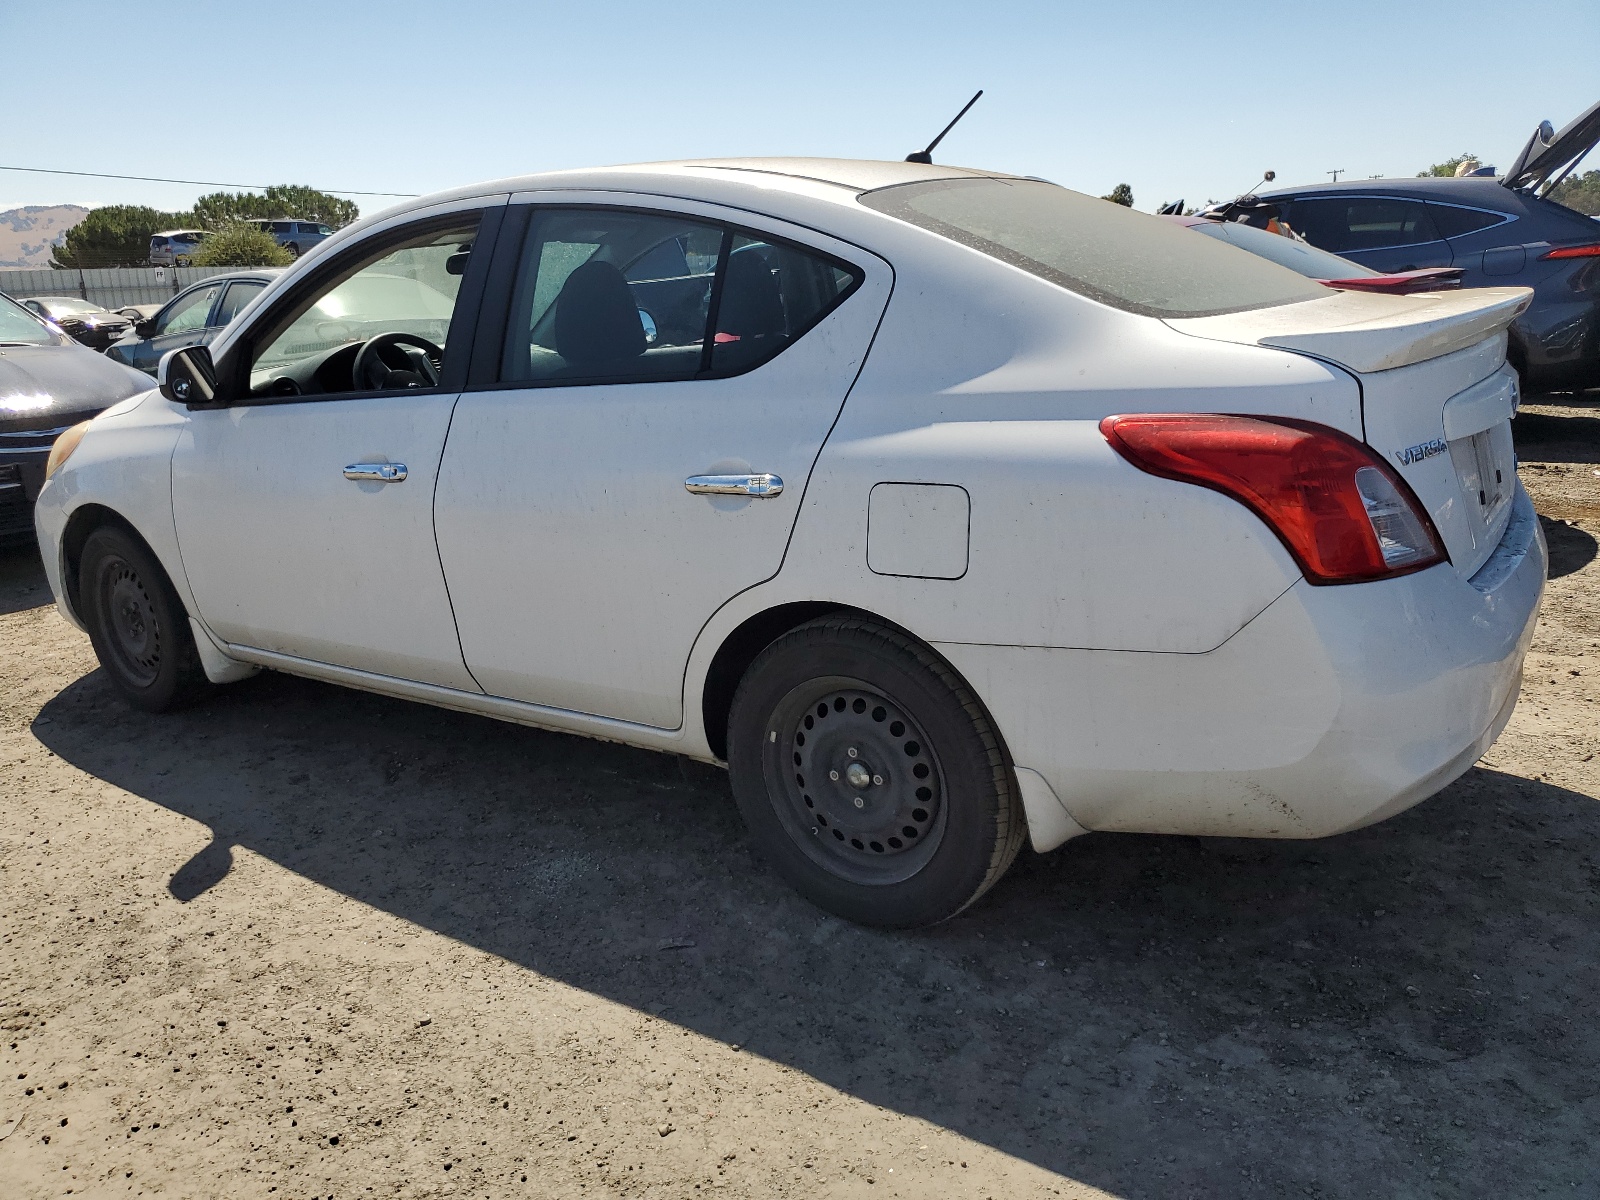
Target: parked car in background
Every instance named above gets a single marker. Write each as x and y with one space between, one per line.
191 318
1330 269
48 383
295 236
950 510
175 247
1500 231
82 320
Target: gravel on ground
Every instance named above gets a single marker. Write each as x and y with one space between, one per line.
302 941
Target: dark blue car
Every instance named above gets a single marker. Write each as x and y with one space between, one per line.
1501 231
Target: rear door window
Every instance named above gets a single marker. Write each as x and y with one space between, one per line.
771 294
240 293
1451 220
606 295
1348 225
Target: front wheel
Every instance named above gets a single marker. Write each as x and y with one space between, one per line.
137 624
870 776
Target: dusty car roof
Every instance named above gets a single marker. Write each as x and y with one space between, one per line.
850 176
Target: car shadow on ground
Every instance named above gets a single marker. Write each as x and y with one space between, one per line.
1158 1016
1572 548
22 582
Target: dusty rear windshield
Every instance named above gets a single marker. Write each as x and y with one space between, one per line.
1126 259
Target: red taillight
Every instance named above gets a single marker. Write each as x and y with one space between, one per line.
1573 252
1335 505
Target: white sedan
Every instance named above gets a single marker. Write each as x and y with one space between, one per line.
947 508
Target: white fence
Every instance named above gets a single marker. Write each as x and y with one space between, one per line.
109 287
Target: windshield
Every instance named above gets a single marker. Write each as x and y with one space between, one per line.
1109 253
58 306
1298 256
19 327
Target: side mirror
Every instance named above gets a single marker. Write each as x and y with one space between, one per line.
145 328
187 377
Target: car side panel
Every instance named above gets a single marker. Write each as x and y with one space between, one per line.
124 464
994 381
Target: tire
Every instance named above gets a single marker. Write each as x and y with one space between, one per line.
870 777
139 627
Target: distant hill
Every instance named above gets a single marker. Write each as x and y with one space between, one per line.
27 234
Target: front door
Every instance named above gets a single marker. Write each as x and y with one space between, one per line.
644 349
181 323
305 511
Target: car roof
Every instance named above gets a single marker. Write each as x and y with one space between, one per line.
1479 192
243 273
844 177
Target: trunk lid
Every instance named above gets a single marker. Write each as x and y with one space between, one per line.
1548 152
1437 395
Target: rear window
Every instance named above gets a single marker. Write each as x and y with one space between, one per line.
1129 260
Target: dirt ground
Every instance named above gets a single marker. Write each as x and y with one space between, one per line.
306 942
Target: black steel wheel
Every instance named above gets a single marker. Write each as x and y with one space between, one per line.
136 622
870 776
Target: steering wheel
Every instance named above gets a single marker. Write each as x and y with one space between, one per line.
422 358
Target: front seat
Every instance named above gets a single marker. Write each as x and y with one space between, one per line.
597 327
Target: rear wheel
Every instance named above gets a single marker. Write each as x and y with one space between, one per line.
137 624
870 776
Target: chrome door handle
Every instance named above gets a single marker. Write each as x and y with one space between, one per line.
376 472
734 485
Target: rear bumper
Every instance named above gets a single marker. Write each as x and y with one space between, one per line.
1335 708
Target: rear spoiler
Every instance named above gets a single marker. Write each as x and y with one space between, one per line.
1369 332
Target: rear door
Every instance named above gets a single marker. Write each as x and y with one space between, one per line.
644 347
1386 233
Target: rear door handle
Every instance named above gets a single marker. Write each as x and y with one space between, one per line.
384 472
734 485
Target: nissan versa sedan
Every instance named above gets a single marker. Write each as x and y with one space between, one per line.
949 509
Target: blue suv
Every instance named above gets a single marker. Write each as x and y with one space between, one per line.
1501 231
295 236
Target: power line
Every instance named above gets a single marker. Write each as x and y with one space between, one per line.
259 187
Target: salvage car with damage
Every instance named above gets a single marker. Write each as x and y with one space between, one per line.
949 509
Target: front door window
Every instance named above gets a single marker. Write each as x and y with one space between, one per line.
188 313
381 324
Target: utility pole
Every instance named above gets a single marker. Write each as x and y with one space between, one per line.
1335 174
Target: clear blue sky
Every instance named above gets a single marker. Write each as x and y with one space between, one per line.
1190 99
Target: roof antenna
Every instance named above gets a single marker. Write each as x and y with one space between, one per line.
926 156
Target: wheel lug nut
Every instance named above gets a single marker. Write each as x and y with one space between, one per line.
833 775
851 752
860 803
878 780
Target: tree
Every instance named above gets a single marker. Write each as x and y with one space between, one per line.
287 200
241 245
1446 169
1580 192
1121 194
117 235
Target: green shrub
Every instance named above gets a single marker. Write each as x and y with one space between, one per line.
117 235
241 245
1581 192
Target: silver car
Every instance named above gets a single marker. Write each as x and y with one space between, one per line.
175 247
